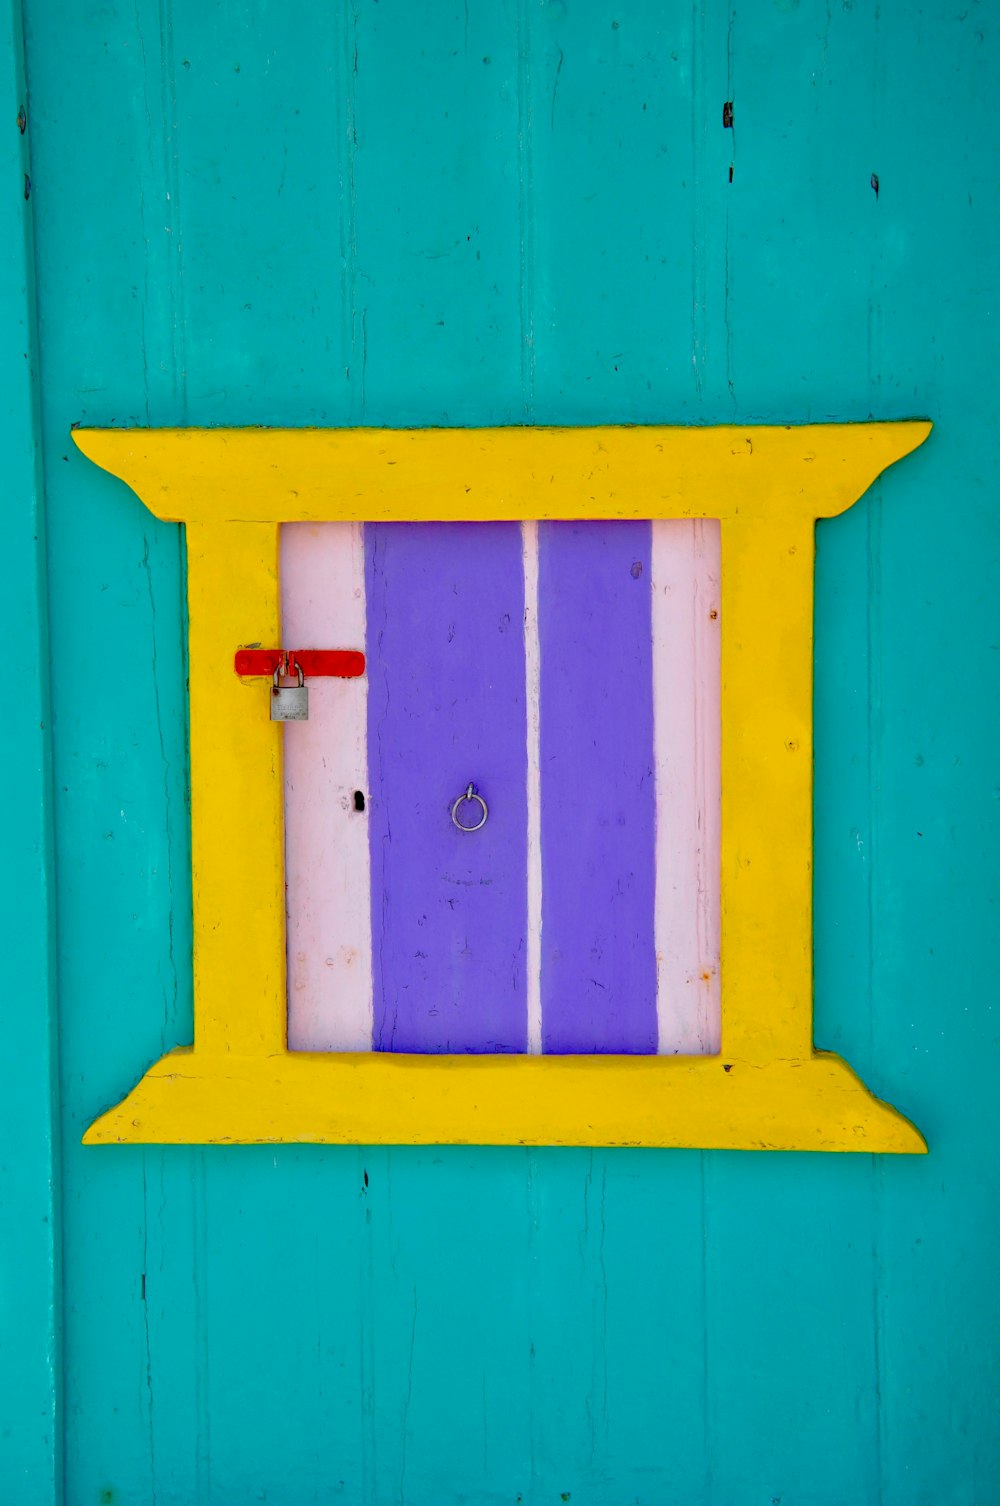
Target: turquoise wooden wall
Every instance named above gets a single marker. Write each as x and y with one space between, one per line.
395 212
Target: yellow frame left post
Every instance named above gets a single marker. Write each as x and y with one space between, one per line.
769 1088
237 812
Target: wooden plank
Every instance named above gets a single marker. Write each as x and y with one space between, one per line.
767 666
30 1222
598 792
327 799
687 708
446 710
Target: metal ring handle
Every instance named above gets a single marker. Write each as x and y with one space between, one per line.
470 794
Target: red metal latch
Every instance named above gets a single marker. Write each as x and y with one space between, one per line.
343 663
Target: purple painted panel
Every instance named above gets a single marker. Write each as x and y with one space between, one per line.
598 793
446 708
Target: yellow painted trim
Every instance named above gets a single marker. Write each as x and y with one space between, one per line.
767 662
379 1098
237 805
769 1089
424 475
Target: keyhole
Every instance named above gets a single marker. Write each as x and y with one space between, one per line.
359 801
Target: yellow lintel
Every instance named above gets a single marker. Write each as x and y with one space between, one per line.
421 475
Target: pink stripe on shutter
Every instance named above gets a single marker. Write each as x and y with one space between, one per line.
326 765
687 738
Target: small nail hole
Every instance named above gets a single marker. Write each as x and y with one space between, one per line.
359 801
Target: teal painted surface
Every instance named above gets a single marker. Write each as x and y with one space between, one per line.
420 214
30 1289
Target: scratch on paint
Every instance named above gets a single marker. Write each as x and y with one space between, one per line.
555 87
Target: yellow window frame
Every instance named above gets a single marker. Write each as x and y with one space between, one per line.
769 1088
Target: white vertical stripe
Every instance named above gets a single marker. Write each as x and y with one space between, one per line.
532 675
687 738
327 866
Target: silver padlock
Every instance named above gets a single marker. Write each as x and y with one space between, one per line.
289 703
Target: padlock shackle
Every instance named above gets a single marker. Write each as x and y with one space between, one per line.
287 670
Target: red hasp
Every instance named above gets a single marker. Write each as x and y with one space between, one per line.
315 663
